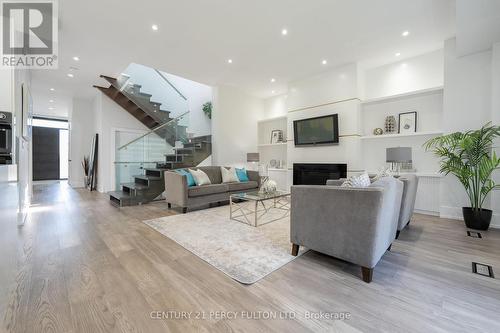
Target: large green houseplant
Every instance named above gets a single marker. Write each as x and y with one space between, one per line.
470 157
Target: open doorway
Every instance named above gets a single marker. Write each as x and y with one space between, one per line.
50 149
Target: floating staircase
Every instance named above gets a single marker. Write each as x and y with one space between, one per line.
150 185
139 104
140 164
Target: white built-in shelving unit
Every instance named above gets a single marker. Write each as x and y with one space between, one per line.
273 151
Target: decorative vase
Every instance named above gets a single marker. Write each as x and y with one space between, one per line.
269 186
477 218
390 124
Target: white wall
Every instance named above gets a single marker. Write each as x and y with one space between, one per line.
275 106
109 116
467 105
7 172
234 125
421 72
495 115
82 127
307 98
23 147
197 95
335 85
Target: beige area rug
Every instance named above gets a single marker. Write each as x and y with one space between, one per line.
245 253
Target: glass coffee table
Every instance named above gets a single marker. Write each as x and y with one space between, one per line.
255 208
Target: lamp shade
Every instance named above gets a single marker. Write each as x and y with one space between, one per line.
398 155
253 157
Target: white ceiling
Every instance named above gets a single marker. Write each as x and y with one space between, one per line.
196 37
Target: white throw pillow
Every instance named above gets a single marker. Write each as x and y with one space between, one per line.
229 175
200 178
362 180
382 172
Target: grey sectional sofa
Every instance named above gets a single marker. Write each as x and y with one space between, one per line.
178 193
353 224
410 186
408 202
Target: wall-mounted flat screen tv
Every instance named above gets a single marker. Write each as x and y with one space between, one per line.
316 131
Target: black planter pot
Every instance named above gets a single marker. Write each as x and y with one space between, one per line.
477 218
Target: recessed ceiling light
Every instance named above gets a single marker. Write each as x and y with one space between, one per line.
76 58
404 65
51 89
284 32
272 91
405 33
154 27
70 75
273 80
397 54
51 101
324 62
229 61
51 108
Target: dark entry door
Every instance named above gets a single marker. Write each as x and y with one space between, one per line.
45 153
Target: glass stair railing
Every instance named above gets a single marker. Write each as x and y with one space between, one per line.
141 163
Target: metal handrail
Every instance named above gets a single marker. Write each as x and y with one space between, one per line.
153 130
170 83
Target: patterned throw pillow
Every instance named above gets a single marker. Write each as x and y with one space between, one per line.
200 177
229 175
357 181
382 172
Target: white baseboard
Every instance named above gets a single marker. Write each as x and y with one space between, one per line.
495 221
77 184
448 212
456 214
426 212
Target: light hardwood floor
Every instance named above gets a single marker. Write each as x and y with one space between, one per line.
82 265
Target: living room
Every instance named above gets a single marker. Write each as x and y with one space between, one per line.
270 166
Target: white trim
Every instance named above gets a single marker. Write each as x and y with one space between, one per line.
495 221
403 95
385 136
272 119
426 212
454 213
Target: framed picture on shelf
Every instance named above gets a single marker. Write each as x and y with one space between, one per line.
276 136
407 122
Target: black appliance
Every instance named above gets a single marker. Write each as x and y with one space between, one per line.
5 138
316 131
317 173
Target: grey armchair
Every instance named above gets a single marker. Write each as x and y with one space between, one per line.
408 202
354 224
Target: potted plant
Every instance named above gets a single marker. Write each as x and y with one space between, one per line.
470 158
86 167
207 109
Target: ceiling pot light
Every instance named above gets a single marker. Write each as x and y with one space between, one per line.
76 58
51 101
405 33
324 62
272 91
51 89
229 61
284 32
70 75
397 54
273 80
51 108
154 27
